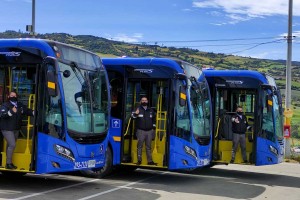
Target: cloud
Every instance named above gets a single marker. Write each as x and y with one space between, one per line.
243 10
186 10
267 54
215 13
295 33
126 38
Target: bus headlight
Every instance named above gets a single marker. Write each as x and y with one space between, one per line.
190 151
64 152
273 150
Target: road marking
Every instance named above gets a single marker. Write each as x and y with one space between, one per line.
120 187
54 190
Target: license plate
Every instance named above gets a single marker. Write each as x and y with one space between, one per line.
91 163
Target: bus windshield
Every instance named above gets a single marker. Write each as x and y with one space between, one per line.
86 100
200 111
278 118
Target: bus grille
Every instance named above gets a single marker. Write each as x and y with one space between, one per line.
280 141
202 140
90 139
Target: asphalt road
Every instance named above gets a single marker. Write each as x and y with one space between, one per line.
220 182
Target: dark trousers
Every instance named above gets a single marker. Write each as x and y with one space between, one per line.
144 136
239 139
11 138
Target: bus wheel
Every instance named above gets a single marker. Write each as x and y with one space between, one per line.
103 171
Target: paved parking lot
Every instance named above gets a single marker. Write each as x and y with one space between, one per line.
221 182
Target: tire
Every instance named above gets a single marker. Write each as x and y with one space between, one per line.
103 171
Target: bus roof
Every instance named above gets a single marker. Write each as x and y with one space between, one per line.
167 62
236 73
28 43
41 44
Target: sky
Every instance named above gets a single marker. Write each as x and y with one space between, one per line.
250 28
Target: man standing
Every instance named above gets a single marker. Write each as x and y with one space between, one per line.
145 125
10 124
239 128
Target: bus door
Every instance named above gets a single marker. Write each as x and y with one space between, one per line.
269 147
183 148
50 141
3 94
22 79
225 103
157 92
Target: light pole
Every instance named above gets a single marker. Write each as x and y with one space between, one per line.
288 113
31 28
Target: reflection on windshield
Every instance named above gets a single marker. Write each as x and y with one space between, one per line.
200 112
267 123
182 116
278 118
80 105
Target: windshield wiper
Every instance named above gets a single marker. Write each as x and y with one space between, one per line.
85 85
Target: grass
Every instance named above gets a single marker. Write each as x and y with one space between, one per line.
295 142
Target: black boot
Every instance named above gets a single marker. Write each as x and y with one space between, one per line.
10 166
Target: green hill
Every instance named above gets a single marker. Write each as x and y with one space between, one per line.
109 48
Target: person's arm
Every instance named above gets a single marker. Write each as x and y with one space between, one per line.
154 119
27 111
247 125
6 112
135 113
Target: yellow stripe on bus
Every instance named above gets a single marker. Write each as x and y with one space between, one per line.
183 96
117 139
51 85
270 102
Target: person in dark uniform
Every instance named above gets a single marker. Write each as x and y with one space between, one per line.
239 128
145 124
10 124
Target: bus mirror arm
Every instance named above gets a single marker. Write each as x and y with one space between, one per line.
76 96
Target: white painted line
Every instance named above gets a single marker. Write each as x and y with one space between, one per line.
54 190
120 187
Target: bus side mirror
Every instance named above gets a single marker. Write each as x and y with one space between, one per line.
182 96
67 73
51 83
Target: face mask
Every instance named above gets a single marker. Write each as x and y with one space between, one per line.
13 99
144 104
239 113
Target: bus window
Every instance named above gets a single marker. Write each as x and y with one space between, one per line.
182 116
51 107
278 119
244 99
267 123
206 110
197 113
200 114
2 85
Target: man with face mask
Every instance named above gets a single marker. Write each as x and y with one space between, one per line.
10 124
145 125
239 128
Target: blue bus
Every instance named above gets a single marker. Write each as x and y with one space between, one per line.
182 138
68 89
260 99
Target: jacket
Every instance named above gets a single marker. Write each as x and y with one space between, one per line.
9 120
145 120
241 126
